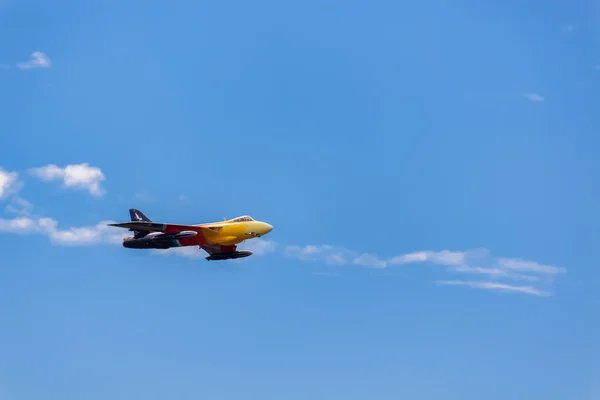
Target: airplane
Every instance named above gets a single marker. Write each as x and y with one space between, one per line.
218 239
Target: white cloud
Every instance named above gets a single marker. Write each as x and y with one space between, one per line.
310 252
340 255
370 260
260 246
8 183
19 206
536 98
18 225
498 273
79 176
188 252
86 235
443 257
529 266
336 258
37 60
473 262
497 286
95 234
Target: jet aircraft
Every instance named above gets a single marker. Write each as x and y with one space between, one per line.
218 239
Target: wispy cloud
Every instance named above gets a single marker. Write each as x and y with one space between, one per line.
9 183
85 235
515 264
339 255
187 252
535 97
78 176
19 206
476 262
37 60
497 286
260 246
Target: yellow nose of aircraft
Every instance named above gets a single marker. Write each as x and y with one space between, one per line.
266 228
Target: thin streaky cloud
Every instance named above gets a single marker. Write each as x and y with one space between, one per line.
37 60
535 97
19 206
529 266
9 183
260 246
99 233
496 272
497 286
470 262
458 260
187 252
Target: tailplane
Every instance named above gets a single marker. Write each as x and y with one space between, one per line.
138 216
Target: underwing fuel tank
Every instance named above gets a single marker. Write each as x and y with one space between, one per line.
185 235
229 255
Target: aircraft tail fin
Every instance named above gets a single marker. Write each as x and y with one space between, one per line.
137 215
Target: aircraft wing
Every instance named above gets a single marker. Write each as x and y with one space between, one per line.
148 226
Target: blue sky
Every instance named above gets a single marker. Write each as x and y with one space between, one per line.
431 172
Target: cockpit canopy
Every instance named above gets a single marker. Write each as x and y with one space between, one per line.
242 219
